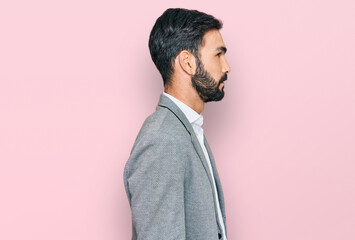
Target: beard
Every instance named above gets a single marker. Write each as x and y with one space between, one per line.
206 86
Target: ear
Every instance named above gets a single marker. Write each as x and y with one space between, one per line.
187 62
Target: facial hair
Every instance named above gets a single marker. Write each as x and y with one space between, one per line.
206 86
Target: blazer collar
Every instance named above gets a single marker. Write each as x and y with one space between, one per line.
168 103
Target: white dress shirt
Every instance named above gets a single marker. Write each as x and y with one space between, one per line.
196 121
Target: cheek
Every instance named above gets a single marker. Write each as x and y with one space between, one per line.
214 67
217 69
214 63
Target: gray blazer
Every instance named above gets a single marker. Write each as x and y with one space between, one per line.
167 181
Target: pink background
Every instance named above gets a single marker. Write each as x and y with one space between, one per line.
77 83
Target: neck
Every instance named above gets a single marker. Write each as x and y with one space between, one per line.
188 96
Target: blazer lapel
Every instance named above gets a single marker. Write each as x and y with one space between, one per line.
216 177
168 103
218 183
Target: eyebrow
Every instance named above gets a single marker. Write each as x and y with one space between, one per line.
223 49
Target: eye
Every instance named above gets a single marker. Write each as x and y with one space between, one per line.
219 54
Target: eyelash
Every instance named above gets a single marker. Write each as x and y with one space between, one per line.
219 54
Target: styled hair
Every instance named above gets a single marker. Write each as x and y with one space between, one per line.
178 29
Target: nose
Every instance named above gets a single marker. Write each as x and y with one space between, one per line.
226 67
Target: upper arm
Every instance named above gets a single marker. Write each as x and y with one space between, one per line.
156 187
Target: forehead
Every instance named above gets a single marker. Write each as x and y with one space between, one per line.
212 40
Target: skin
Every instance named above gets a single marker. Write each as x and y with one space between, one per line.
212 56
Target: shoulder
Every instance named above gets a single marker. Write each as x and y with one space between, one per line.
162 139
158 148
163 125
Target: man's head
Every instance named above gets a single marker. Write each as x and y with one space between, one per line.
188 43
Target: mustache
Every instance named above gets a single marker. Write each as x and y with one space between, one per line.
223 78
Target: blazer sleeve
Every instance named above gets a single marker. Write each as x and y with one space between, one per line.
155 180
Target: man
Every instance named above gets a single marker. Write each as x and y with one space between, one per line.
171 178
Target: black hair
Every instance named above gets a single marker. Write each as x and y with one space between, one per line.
175 30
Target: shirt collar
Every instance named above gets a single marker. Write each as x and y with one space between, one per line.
191 115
